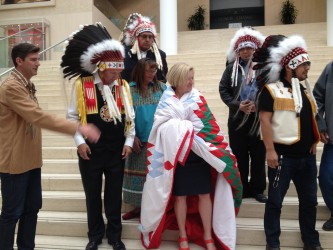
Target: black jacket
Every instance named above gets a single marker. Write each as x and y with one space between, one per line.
229 93
230 96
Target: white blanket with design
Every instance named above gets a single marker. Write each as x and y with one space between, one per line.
179 126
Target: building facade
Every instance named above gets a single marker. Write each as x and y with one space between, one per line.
48 22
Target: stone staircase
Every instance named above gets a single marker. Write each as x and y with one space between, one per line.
62 221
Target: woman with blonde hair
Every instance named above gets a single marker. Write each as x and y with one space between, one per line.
191 174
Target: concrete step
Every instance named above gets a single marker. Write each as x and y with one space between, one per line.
49 92
70 152
47 86
250 208
46 132
68 224
62 182
48 97
290 233
78 243
58 141
52 98
59 107
58 91
247 247
53 77
70 201
219 64
73 224
66 194
59 153
219 39
64 201
60 166
54 180
220 55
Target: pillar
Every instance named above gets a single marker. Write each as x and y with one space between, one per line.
168 26
329 22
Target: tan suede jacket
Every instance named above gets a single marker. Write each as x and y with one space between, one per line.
21 120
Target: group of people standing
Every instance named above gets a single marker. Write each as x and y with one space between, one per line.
273 117
159 148
152 136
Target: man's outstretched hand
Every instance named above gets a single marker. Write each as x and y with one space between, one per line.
90 132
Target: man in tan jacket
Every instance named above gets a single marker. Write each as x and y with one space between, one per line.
21 120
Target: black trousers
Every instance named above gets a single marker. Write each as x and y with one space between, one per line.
251 156
111 165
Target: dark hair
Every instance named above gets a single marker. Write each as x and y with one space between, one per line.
9 2
262 58
282 73
22 50
138 74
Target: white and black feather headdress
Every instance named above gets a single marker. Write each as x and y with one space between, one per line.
244 37
90 48
277 52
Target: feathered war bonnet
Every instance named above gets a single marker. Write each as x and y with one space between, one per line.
243 38
89 49
277 52
135 25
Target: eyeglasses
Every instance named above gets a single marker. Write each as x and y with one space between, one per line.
144 37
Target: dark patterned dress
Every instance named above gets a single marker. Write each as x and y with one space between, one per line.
135 166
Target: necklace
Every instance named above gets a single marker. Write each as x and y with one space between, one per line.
110 110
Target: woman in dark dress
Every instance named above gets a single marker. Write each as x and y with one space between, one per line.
192 181
194 177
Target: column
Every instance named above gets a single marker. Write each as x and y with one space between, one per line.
329 22
168 26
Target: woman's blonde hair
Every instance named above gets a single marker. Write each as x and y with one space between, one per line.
178 74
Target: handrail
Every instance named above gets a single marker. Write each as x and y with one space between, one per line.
53 46
17 33
8 70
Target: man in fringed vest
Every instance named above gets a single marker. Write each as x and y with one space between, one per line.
101 97
290 134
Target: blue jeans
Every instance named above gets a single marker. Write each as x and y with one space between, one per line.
303 172
21 201
326 176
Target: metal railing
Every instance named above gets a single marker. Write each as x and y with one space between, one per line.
22 31
40 53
